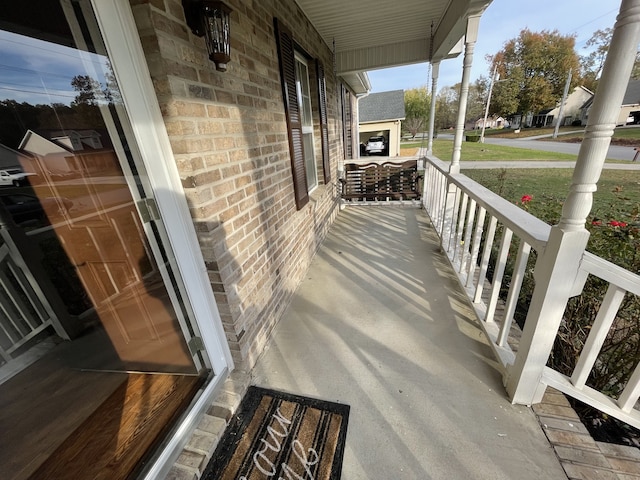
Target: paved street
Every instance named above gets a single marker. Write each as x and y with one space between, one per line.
615 152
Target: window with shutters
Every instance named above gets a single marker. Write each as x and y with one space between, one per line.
296 91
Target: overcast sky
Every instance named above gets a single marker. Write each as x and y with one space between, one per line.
502 21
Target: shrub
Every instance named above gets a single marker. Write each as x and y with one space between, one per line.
614 236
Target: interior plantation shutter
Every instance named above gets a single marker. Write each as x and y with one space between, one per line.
286 59
324 126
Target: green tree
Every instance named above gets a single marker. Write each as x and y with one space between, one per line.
536 65
417 103
111 90
505 96
89 90
476 101
446 107
447 103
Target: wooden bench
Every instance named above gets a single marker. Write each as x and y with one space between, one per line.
381 181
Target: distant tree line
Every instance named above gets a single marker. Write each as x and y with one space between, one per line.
532 69
82 113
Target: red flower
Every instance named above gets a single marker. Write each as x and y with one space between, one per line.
526 198
596 222
615 223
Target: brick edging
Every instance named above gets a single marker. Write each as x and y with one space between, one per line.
580 455
203 441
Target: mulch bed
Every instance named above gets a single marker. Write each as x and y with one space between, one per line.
622 142
604 428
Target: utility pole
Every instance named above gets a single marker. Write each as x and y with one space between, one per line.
486 110
564 99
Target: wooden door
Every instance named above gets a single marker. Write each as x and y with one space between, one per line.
96 219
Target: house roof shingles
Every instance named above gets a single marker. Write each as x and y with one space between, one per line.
377 107
632 95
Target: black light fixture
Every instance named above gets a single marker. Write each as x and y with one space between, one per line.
210 19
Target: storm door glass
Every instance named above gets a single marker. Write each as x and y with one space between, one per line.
92 313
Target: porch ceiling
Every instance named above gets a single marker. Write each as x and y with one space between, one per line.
376 34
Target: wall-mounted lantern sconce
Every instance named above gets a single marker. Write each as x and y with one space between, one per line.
211 20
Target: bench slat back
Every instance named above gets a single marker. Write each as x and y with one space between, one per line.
381 181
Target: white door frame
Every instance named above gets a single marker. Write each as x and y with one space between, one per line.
130 68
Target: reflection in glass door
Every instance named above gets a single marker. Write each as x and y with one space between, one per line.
91 312
71 155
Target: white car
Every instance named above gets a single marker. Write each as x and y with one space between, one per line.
14 176
376 145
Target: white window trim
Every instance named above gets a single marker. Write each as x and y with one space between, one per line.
130 67
308 129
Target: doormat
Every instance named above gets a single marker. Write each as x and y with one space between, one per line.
281 436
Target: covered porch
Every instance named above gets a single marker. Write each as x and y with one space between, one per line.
429 353
382 324
406 314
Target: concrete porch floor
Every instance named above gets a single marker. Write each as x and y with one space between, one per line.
381 324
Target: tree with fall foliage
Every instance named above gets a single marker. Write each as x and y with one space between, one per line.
533 68
592 63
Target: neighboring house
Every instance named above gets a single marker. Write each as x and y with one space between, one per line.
10 158
519 121
68 152
492 122
572 109
583 115
381 114
630 108
182 211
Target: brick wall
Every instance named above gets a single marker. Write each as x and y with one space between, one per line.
229 137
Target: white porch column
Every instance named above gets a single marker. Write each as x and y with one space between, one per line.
469 45
435 71
556 269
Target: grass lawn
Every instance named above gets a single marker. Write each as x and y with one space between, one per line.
616 188
482 151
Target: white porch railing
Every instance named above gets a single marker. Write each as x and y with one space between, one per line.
467 217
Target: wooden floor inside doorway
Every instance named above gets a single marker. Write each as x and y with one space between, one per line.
112 443
60 422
